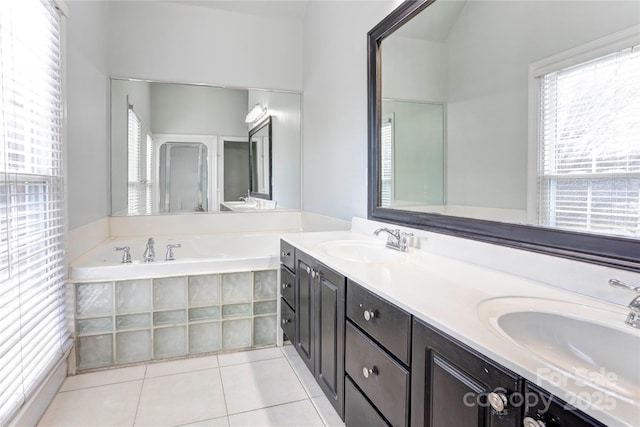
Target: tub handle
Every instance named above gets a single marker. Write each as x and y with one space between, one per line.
169 255
126 254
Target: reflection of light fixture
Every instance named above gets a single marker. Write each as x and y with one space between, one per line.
256 113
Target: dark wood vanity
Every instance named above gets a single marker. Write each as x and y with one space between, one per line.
380 366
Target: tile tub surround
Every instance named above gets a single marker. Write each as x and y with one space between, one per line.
235 389
132 321
445 292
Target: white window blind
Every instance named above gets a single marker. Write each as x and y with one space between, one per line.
33 328
134 173
386 162
149 175
589 145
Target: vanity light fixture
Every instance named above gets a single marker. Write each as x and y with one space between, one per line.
256 113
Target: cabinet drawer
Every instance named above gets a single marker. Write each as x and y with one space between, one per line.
386 323
542 406
288 320
385 382
358 412
287 286
286 255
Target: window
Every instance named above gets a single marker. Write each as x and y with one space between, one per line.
589 145
134 173
386 162
149 176
33 331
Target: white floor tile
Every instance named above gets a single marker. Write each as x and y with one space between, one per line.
295 414
327 413
218 422
260 384
181 366
249 356
108 405
111 376
305 376
289 351
181 398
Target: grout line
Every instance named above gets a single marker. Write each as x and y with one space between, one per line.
100 385
144 378
295 372
271 406
250 361
224 395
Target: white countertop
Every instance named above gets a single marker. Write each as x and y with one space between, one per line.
446 293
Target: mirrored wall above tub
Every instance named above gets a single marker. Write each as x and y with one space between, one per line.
184 148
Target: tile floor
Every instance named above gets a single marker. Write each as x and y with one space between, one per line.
266 387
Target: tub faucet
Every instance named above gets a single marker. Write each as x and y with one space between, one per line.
633 318
149 252
169 256
397 239
126 255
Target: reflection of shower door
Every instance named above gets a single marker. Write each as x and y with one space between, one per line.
235 161
184 177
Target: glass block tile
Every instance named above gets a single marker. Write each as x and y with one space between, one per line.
169 317
133 296
133 346
100 324
170 292
236 310
265 284
237 287
204 290
169 342
133 321
94 299
204 313
204 337
236 333
265 307
95 351
264 330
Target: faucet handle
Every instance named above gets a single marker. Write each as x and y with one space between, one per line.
126 254
620 284
169 255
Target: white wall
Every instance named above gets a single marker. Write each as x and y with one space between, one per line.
335 105
87 99
173 42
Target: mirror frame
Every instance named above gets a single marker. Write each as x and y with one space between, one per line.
266 122
611 251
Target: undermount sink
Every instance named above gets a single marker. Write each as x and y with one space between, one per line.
360 251
589 344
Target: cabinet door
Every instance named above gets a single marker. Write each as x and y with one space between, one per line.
451 385
329 334
304 309
553 412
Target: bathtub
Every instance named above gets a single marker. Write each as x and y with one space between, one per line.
197 255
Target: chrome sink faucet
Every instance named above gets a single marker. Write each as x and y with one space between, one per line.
633 318
169 256
149 252
397 239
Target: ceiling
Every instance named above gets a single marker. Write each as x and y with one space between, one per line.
279 9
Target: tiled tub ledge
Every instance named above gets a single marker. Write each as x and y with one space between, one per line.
173 309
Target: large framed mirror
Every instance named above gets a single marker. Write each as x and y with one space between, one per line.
260 142
515 123
185 148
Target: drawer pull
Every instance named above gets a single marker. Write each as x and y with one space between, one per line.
286 285
285 321
498 401
369 314
369 371
285 254
530 422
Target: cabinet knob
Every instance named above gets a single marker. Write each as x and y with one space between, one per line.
285 321
286 285
530 422
369 371
285 254
369 314
498 401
